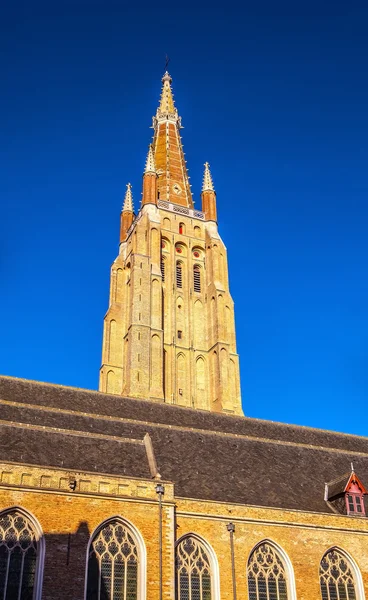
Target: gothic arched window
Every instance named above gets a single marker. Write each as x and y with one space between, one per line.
113 564
197 278
193 570
336 577
19 549
267 577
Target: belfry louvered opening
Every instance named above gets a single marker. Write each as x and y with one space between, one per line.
113 564
197 278
179 275
163 268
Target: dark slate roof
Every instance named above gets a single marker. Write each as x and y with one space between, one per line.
207 455
337 486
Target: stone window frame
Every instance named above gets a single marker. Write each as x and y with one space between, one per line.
359 586
289 571
215 572
141 548
40 541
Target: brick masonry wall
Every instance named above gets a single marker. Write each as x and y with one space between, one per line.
68 519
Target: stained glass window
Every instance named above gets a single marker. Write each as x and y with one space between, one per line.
113 564
18 557
336 577
193 571
267 578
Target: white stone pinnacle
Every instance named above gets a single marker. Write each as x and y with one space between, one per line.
128 200
207 179
150 162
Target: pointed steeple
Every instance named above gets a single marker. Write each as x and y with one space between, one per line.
128 200
173 180
150 162
207 179
127 214
166 105
208 195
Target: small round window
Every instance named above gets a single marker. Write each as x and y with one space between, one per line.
196 253
179 250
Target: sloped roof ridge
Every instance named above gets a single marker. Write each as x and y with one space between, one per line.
73 432
198 430
187 409
340 478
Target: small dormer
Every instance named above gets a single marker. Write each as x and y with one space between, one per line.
347 494
354 496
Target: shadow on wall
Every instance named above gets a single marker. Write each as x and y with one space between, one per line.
65 567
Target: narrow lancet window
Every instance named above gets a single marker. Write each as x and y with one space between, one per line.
197 278
179 275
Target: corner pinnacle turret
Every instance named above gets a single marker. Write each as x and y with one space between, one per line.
149 195
128 200
208 195
150 161
127 214
207 179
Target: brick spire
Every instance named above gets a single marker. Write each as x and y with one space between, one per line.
127 214
173 181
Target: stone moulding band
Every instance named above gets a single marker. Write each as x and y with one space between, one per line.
182 210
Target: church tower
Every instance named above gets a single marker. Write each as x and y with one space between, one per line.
169 332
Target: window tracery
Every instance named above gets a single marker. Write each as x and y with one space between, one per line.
18 557
193 571
336 577
267 578
113 564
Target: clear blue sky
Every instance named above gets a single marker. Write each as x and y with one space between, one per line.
274 96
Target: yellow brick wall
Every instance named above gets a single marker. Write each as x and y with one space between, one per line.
68 519
304 537
143 356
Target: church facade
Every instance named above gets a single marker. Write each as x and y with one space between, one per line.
156 486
